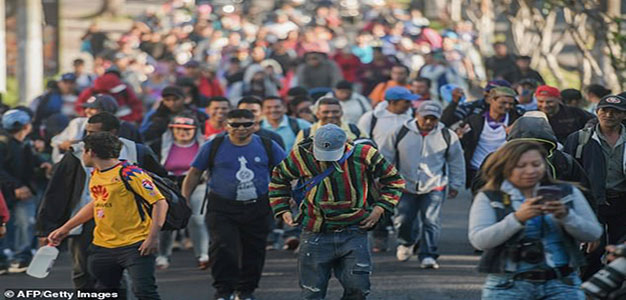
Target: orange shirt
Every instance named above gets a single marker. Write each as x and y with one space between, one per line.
378 94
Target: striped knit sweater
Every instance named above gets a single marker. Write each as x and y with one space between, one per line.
340 199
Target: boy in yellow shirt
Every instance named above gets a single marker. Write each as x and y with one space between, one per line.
121 239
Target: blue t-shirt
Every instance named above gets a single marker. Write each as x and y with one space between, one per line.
239 172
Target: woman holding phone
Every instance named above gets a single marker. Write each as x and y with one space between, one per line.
530 241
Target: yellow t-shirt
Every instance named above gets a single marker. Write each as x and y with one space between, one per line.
118 222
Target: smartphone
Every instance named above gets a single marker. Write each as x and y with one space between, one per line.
549 193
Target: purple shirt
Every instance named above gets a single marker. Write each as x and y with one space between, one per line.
180 157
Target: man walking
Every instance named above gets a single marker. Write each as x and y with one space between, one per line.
121 239
430 173
564 120
334 212
238 213
330 111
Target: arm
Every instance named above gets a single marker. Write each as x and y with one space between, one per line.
449 116
280 185
581 222
484 232
390 182
85 214
159 212
387 147
191 182
456 163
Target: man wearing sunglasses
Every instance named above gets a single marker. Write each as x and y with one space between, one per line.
238 211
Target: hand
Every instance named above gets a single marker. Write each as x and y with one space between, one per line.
149 246
611 250
40 145
288 219
528 210
452 193
556 208
590 247
462 130
457 94
23 193
373 218
42 241
3 230
66 145
56 237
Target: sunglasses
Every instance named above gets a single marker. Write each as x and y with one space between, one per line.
239 124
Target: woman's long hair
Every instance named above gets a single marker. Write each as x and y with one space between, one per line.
500 164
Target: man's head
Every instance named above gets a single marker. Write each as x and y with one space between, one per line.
420 86
79 65
218 108
494 84
100 103
548 99
103 121
16 121
67 84
399 99
525 89
173 98
329 143
611 111
313 59
500 49
101 146
296 91
240 124
184 127
523 62
400 74
253 104
572 97
343 90
274 108
329 111
501 100
300 107
192 69
428 115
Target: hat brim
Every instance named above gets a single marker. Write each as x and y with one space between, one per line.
327 155
407 97
620 108
182 126
428 113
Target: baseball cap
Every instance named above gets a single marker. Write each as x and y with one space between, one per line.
430 108
400 93
183 122
502 91
103 102
329 142
612 101
496 83
14 118
192 64
549 91
173 91
68 77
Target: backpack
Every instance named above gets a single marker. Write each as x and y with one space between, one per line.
353 128
293 124
373 125
178 212
402 133
583 138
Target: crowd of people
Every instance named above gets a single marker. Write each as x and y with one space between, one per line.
295 131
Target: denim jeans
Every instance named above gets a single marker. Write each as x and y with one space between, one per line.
418 218
78 246
21 230
344 252
197 228
107 266
504 287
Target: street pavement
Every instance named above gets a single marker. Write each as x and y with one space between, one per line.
456 279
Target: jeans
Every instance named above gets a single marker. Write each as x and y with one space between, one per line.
22 232
504 287
107 266
418 218
197 228
78 246
344 252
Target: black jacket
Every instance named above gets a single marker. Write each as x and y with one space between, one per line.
568 120
66 187
18 165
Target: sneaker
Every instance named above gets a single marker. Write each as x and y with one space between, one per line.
203 262
18 267
403 253
245 296
291 243
429 263
162 262
187 244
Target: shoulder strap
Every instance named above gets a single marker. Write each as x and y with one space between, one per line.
446 137
355 130
401 134
138 200
309 184
501 203
267 144
363 109
373 125
293 124
583 138
141 153
306 132
215 145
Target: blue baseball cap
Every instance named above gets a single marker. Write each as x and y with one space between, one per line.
400 93
329 142
14 118
68 77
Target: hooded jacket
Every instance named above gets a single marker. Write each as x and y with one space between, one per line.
242 88
423 162
385 121
130 107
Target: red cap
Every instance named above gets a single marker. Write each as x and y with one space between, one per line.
546 90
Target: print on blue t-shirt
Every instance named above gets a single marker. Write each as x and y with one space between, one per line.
239 172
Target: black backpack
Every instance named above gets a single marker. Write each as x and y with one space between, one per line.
178 212
293 124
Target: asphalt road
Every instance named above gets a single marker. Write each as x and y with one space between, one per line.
456 279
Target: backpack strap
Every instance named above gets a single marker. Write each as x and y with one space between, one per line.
355 130
215 145
306 132
401 134
138 200
500 202
583 138
267 145
446 137
373 125
293 124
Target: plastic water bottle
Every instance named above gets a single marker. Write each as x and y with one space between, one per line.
42 262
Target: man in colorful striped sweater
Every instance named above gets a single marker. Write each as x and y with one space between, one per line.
335 211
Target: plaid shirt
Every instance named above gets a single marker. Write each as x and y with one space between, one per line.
340 199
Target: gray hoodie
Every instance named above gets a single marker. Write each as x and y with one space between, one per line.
386 121
423 159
